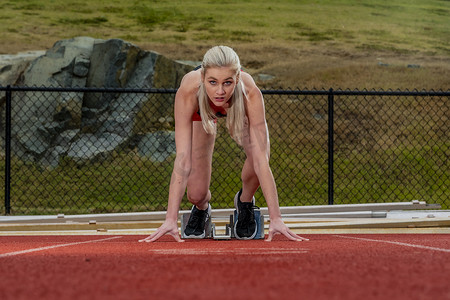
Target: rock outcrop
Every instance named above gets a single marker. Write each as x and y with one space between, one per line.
89 126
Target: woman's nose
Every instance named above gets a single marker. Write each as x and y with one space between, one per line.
220 90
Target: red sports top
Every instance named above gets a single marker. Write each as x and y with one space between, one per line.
220 112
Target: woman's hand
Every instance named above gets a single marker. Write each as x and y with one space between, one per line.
278 227
168 227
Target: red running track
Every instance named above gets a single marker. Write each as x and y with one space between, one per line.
326 267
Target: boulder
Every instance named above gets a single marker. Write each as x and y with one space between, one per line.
89 126
157 146
12 66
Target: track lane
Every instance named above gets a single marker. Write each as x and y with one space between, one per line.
326 267
30 250
398 243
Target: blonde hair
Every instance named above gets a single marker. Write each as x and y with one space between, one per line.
223 56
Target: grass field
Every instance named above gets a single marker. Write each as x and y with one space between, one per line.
339 44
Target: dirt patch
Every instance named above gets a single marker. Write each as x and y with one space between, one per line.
319 67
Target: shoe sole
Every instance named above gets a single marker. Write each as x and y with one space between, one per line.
194 236
235 225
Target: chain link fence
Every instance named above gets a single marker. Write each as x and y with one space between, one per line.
93 150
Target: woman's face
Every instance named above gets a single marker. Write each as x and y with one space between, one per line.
220 83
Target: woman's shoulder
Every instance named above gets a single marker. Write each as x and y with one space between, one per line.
186 97
250 86
191 82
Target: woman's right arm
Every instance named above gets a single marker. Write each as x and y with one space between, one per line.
185 106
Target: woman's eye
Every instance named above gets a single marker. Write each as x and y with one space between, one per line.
212 82
228 82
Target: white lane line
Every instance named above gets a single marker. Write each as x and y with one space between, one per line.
55 246
396 243
235 251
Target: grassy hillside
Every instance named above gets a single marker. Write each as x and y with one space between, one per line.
347 44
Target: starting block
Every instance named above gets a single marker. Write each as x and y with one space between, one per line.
229 231
210 228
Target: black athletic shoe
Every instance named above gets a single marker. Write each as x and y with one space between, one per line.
245 227
195 228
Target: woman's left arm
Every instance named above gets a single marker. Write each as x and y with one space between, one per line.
259 145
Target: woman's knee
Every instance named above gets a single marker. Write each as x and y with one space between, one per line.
198 196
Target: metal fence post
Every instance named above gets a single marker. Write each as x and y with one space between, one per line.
330 147
8 151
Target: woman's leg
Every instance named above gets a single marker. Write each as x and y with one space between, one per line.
250 182
198 192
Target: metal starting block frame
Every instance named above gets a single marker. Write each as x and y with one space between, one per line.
210 228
